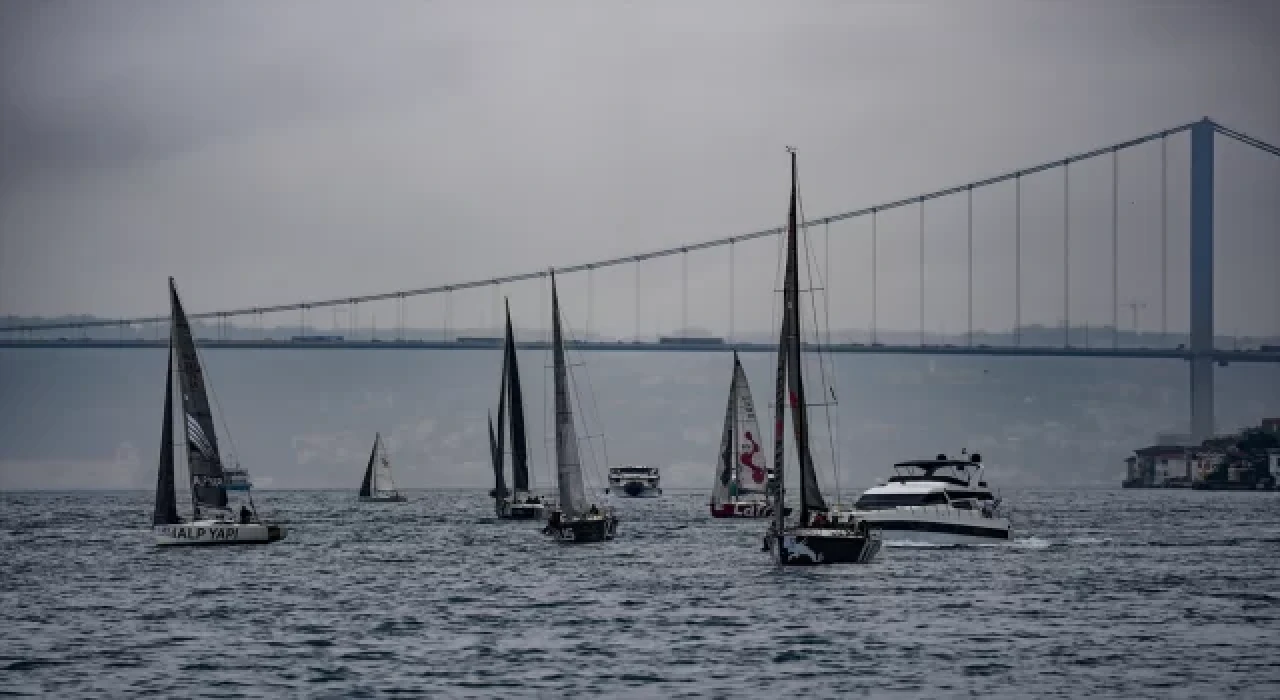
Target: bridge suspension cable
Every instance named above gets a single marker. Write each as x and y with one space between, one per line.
448 289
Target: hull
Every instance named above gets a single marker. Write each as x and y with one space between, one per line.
521 511
937 526
813 546
598 528
383 499
213 532
744 509
636 489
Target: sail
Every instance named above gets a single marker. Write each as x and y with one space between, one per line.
573 499
500 486
383 484
166 498
750 469
519 442
725 486
810 493
366 486
497 443
203 460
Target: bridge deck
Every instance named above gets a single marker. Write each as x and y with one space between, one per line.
1221 356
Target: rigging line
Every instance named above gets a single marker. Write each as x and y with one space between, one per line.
573 387
823 355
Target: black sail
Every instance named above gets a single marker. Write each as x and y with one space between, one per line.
498 444
366 487
500 486
519 442
810 493
166 497
203 460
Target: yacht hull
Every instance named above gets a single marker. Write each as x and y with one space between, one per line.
521 511
813 546
383 499
213 532
635 489
937 525
586 529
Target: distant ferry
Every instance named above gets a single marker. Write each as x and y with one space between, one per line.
635 481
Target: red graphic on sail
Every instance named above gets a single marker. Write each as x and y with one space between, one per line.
747 458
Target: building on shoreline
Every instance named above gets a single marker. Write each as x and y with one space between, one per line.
1248 460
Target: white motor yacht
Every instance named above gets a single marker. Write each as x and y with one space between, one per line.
935 501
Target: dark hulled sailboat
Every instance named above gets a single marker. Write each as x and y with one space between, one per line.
212 522
815 538
574 519
519 503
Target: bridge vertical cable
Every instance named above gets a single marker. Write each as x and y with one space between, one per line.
1115 249
920 206
1066 253
732 291
969 332
1164 241
875 287
1017 260
684 293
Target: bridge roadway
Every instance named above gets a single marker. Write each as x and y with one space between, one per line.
1222 357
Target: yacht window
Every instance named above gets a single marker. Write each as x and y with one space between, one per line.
894 500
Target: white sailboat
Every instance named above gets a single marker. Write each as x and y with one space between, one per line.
378 486
574 519
820 536
740 489
520 503
212 521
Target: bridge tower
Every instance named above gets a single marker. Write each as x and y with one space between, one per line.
1202 161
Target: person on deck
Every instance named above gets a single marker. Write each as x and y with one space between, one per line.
246 515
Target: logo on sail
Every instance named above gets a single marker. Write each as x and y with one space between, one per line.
196 436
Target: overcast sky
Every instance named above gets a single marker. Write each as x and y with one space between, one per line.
272 152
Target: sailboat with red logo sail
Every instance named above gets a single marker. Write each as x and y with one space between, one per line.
742 477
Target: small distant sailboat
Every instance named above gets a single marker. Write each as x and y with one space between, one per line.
741 483
520 504
378 486
820 536
212 522
574 519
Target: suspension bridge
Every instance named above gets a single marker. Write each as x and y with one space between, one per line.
1197 344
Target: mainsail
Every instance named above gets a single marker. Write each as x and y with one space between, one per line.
741 470
166 498
789 376
573 499
383 484
203 460
497 443
519 443
366 486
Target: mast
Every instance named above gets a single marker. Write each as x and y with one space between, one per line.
366 487
573 500
519 439
166 512
789 377
203 459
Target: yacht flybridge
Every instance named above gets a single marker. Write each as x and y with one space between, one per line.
937 501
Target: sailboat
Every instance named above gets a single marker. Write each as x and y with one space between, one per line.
820 536
573 519
212 522
519 504
378 486
741 480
